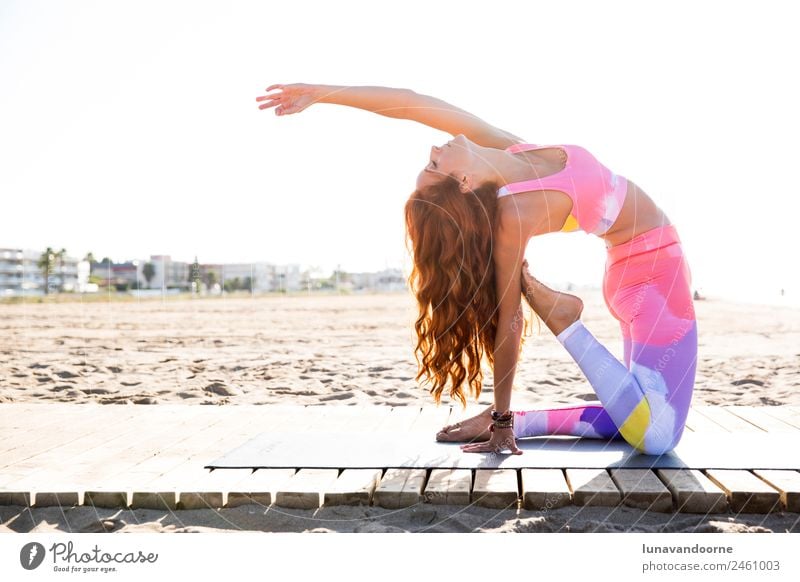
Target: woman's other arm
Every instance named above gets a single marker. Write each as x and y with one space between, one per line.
392 102
508 254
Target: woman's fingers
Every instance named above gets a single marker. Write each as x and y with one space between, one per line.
486 447
271 87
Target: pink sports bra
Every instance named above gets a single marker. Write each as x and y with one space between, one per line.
597 193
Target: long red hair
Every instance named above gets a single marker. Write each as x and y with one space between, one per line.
451 236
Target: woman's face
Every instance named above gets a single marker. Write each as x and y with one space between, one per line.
456 158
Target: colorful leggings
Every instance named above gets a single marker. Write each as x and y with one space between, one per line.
646 287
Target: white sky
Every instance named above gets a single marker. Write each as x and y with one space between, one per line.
131 128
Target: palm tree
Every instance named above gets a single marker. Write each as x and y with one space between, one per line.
46 265
148 271
60 256
211 280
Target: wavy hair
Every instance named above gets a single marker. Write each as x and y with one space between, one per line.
451 236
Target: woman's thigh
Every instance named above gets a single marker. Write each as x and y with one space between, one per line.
650 295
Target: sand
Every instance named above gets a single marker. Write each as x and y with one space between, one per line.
349 350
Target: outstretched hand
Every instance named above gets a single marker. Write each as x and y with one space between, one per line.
502 439
293 98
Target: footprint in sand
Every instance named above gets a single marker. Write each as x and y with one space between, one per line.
379 369
747 381
97 391
337 396
146 400
102 526
221 389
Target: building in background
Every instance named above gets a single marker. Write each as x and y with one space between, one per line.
20 273
117 276
169 274
386 280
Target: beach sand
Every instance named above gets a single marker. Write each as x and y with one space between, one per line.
349 350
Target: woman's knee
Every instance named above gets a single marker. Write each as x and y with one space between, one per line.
660 440
657 447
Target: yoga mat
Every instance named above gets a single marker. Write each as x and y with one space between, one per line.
345 450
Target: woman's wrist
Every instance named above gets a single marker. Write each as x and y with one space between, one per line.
501 420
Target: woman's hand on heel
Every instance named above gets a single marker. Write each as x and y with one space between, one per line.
292 98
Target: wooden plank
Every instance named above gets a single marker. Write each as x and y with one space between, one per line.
693 492
544 489
450 486
211 487
214 488
785 414
642 489
262 485
756 416
593 487
787 483
113 477
728 420
180 474
304 490
400 488
106 433
43 427
746 492
353 487
55 481
699 423
259 488
72 431
496 488
357 486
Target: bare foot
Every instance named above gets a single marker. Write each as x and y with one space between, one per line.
557 310
475 428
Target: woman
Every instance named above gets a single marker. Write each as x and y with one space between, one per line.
481 198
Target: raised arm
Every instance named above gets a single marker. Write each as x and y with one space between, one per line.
390 102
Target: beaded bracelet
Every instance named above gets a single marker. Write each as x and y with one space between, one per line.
505 420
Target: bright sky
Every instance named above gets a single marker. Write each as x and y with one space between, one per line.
131 128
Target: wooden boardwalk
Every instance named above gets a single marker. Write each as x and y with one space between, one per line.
153 457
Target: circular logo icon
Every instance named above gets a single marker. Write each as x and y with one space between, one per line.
31 555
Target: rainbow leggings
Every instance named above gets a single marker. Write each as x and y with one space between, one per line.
647 288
